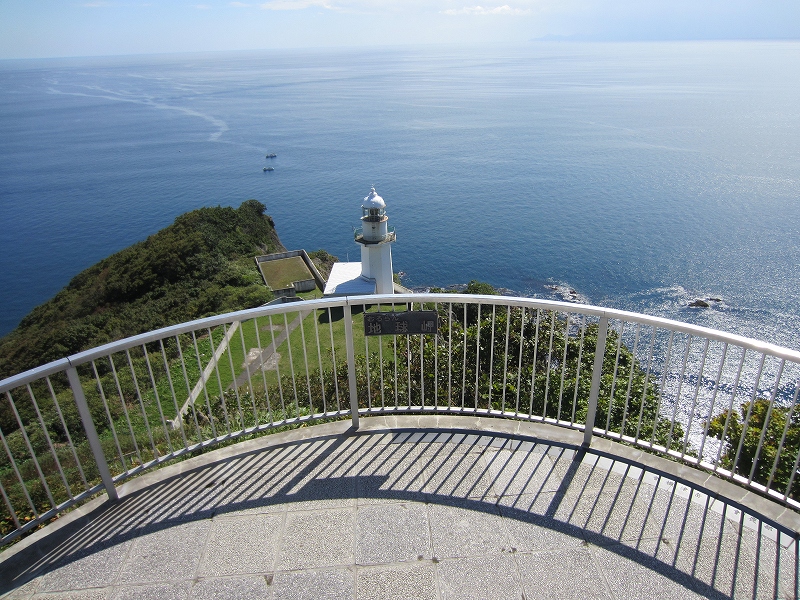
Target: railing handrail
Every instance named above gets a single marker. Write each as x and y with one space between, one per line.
385 299
585 360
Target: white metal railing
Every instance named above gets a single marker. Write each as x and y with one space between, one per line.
358 233
83 424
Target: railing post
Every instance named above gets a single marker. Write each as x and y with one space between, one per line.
351 363
91 432
597 372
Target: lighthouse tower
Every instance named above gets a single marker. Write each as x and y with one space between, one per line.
376 239
373 275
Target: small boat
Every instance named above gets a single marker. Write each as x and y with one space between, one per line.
268 169
271 155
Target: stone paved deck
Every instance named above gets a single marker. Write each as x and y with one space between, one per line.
394 512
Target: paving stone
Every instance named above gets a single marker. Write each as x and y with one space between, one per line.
159 591
377 441
275 477
324 494
563 575
715 564
338 445
260 486
626 509
690 521
479 577
560 460
412 582
231 588
461 530
317 539
560 453
317 484
329 584
89 568
563 507
93 594
584 476
661 550
192 496
384 481
255 507
769 553
530 530
662 515
348 500
337 462
733 565
158 556
460 476
445 449
25 590
392 533
542 504
575 472
119 522
385 447
491 442
620 512
240 545
633 576
519 472
436 442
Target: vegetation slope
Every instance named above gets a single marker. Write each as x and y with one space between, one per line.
200 265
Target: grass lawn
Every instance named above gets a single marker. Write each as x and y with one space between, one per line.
299 355
280 274
300 358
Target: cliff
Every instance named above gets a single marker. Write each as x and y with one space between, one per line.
200 265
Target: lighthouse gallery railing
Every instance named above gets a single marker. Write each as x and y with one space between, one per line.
82 425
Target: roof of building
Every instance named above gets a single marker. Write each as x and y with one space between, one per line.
373 200
346 280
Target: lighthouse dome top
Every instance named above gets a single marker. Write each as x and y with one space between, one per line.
373 200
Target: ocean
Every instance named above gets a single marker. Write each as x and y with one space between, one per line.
640 175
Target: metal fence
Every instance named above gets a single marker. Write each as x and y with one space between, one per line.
82 425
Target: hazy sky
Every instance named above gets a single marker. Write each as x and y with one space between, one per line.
45 28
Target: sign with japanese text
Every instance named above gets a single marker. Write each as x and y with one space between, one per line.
409 322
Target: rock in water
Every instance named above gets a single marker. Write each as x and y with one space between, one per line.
699 304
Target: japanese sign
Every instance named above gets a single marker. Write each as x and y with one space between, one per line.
401 323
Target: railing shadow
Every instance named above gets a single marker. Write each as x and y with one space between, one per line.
543 490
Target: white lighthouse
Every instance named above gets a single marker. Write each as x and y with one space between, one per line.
373 275
376 239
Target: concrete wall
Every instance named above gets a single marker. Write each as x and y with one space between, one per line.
306 285
319 282
290 291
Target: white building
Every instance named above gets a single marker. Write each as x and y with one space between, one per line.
373 275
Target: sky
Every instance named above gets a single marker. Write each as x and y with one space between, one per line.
60 28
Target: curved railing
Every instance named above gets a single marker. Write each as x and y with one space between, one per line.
83 424
358 234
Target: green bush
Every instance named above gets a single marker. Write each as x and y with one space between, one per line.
742 437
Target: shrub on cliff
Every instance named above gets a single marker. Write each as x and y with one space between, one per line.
200 265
